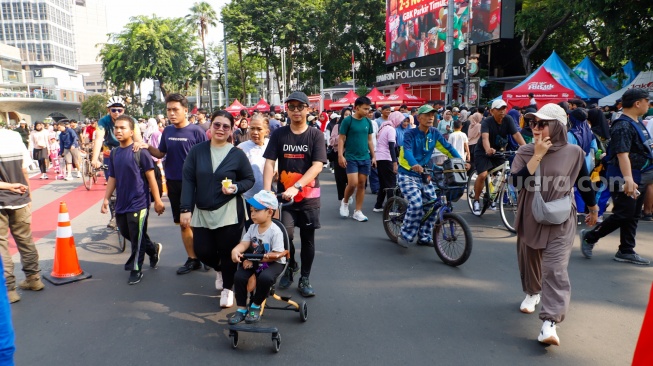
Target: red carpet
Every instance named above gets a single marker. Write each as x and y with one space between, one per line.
44 220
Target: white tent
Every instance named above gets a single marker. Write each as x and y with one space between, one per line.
643 81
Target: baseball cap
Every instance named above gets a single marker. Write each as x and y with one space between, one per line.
264 199
426 108
550 111
334 115
310 118
498 104
277 116
298 96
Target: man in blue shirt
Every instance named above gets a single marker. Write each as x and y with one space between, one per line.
416 152
69 147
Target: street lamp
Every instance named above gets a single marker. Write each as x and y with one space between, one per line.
321 71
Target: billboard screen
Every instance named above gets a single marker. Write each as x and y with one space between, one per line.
418 28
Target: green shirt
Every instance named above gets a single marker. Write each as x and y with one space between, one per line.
357 132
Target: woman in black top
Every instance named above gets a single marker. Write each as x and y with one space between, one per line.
214 178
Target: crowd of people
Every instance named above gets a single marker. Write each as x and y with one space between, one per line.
222 171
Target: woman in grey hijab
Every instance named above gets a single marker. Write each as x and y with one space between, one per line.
543 250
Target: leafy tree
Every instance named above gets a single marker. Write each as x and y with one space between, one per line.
95 105
151 48
202 16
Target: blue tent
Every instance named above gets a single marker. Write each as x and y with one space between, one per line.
629 71
566 77
597 79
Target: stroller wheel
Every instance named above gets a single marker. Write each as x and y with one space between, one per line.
276 342
234 339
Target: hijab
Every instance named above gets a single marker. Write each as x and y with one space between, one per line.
151 128
400 128
598 122
580 129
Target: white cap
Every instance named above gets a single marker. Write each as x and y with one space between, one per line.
498 104
550 111
334 115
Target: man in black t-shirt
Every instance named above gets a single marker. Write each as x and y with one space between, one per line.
629 157
495 130
301 155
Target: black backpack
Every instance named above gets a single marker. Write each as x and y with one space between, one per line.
157 172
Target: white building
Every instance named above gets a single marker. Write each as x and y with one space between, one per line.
90 25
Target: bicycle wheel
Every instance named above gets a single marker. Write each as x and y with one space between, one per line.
470 193
453 239
393 216
87 172
122 241
508 206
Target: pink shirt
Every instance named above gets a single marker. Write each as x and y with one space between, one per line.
386 135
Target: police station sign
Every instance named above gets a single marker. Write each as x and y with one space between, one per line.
430 73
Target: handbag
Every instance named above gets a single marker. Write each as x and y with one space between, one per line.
549 213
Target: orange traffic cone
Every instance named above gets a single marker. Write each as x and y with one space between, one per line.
66 265
643 352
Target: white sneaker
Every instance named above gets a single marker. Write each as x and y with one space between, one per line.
476 208
358 216
68 177
598 220
344 209
78 175
548 333
218 281
493 206
528 305
351 200
377 209
226 298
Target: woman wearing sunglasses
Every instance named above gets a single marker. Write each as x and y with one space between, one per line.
215 176
543 250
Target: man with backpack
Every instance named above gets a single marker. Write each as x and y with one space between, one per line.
630 169
356 134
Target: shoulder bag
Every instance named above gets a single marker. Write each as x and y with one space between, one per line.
549 213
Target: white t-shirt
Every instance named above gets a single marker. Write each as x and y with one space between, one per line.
254 154
269 241
458 139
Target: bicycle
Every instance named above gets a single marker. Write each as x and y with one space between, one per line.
452 236
497 190
89 173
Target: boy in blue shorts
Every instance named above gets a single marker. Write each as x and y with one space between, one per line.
263 237
131 180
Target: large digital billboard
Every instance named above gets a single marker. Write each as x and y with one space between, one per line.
418 28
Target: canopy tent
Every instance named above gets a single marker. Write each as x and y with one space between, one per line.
401 97
345 101
563 74
261 106
597 79
376 96
629 71
544 87
643 81
235 107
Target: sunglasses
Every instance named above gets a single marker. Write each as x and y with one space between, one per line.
296 107
116 110
224 126
540 124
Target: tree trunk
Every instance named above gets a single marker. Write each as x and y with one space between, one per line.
162 87
208 77
527 52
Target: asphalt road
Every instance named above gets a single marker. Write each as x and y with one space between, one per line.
376 303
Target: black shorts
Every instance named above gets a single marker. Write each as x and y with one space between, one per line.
174 195
483 163
305 218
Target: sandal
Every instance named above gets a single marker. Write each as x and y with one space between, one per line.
237 318
253 315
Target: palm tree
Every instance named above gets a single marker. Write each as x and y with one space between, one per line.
202 16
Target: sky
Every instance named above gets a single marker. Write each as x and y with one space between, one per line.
119 12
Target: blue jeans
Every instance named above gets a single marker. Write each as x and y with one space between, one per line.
7 347
375 185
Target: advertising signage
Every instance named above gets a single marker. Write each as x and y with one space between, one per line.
418 28
434 73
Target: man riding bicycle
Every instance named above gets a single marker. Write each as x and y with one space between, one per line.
416 152
105 140
495 130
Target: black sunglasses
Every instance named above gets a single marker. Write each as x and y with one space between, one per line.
116 110
296 107
540 124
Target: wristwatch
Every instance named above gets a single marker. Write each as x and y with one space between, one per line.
298 186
